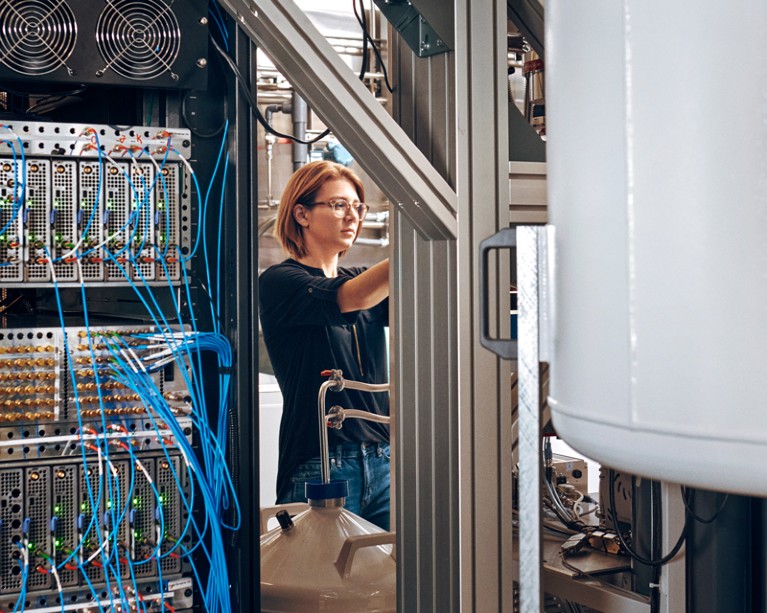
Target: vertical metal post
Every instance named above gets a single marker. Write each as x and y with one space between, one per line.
300 114
529 421
672 579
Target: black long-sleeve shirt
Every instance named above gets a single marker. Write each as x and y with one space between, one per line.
306 333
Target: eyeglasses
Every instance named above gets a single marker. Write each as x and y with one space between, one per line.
341 206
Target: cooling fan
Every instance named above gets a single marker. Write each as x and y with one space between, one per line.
36 36
145 43
138 39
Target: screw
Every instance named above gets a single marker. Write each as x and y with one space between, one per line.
203 21
202 62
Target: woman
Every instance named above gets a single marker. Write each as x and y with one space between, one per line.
317 316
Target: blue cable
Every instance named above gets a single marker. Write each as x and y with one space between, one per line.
94 507
203 210
220 242
17 201
219 19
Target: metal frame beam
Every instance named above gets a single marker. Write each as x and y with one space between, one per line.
343 103
482 149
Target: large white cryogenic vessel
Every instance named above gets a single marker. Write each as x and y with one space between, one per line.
657 166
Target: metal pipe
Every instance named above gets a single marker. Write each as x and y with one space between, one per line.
337 415
364 387
337 383
267 97
374 242
270 140
324 453
300 115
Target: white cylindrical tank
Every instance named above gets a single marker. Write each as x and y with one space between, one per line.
657 166
327 559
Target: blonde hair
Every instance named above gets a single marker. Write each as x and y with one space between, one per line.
302 188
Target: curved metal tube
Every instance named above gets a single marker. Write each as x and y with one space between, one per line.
338 383
324 453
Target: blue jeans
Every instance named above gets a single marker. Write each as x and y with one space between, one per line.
365 466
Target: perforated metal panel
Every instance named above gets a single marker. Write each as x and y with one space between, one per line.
143 506
65 190
37 508
169 475
36 220
143 222
90 214
11 492
168 192
88 517
65 493
118 198
107 214
11 205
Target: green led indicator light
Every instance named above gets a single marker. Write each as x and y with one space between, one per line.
57 543
137 502
84 506
57 509
163 499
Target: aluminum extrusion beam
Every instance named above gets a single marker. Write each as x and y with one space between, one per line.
484 385
343 103
530 549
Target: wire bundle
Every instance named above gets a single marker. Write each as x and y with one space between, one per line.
203 487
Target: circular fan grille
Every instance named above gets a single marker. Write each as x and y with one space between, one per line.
138 39
36 36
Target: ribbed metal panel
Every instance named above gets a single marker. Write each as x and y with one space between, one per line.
424 355
425 394
453 427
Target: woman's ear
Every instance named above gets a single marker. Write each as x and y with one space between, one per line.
299 214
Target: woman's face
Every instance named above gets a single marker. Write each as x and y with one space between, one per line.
324 229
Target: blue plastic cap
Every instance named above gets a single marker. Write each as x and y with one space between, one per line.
317 490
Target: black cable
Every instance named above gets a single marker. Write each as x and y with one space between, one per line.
252 102
365 49
655 545
53 99
688 506
649 562
367 38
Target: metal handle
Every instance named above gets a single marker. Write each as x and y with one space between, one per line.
503 347
354 543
